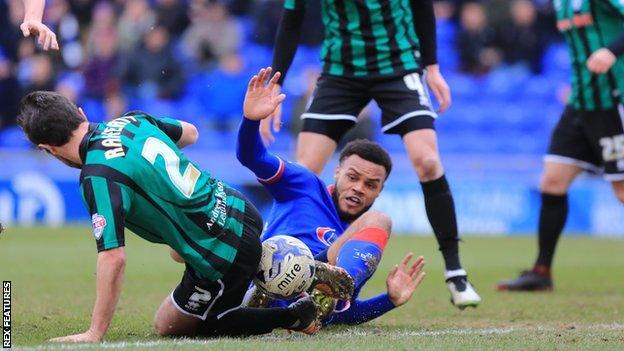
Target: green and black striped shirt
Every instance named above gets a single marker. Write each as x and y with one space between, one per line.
587 26
364 38
134 176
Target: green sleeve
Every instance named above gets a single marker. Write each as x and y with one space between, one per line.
171 127
293 4
108 204
617 6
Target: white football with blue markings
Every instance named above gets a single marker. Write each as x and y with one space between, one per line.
286 268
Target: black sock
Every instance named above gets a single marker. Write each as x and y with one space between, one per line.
552 218
248 321
441 214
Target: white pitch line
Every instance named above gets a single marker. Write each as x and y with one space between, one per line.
351 332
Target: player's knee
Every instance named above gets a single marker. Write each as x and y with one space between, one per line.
379 220
175 256
428 167
314 166
552 184
162 328
619 193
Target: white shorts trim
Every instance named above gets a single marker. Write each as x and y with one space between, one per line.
614 177
205 315
572 161
329 117
228 311
180 308
407 116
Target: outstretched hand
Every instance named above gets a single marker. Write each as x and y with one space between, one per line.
403 280
46 37
263 95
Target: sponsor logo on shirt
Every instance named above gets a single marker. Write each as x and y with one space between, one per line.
99 223
326 235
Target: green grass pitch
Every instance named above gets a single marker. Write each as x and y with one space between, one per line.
53 283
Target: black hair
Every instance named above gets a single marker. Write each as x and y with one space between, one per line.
48 117
368 150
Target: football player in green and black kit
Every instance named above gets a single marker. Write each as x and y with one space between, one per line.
590 134
135 176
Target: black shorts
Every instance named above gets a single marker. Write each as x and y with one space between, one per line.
592 140
203 298
404 102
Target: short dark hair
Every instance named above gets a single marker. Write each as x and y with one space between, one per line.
368 150
48 117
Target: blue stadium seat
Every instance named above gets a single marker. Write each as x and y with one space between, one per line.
13 137
447 56
446 30
159 108
392 143
246 26
209 138
465 85
94 110
557 59
541 87
260 55
504 83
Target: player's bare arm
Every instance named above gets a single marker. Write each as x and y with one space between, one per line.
189 135
262 97
109 279
33 15
175 256
404 278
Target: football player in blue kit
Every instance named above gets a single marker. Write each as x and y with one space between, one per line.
335 221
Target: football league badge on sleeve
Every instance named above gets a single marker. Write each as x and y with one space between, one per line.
99 223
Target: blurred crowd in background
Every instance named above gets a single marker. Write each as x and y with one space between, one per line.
191 59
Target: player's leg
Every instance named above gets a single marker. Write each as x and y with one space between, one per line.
554 185
618 188
570 153
612 142
334 109
421 146
314 149
407 112
216 305
169 321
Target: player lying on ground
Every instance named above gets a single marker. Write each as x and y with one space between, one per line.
590 132
135 176
383 51
33 15
336 222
